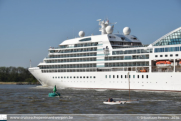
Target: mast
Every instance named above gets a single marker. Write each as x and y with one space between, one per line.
30 63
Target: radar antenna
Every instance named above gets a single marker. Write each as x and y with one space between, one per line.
104 24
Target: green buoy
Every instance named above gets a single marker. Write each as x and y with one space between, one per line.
55 93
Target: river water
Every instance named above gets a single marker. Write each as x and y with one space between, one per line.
30 99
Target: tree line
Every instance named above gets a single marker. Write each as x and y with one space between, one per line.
16 74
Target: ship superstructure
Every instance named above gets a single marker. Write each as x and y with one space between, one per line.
103 61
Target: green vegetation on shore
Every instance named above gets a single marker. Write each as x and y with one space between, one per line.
16 74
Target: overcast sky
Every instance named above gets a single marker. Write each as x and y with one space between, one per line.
29 27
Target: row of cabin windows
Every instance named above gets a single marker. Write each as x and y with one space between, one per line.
64 77
171 55
74 50
73 55
124 76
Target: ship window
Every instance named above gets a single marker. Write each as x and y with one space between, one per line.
86 39
117 76
161 55
171 55
176 54
113 76
138 76
90 76
133 76
67 77
156 55
129 76
53 76
142 76
61 77
74 76
121 76
77 77
106 76
122 38
84 77
64 77
87 77
80 76
109 76
70 76
94 77
125 76
166 55
146 76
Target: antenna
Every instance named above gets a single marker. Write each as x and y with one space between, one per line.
30 63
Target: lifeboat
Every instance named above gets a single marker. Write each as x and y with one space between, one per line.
143 70
163 63
180 63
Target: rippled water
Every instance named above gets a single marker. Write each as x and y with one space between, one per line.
28 99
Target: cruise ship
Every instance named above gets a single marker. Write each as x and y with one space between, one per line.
113 61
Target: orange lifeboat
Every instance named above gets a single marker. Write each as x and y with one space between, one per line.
180 63
163 63
143 70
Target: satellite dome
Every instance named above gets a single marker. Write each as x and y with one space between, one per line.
81 33
109 29
126 30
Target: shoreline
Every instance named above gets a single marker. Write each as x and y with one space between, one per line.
20 83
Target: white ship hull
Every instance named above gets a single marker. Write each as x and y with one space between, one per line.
106 61
167 81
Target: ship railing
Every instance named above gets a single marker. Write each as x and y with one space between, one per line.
126 58
125 65
62 47
69 56
77 51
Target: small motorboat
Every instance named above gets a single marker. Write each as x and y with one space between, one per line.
121 102
114 102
